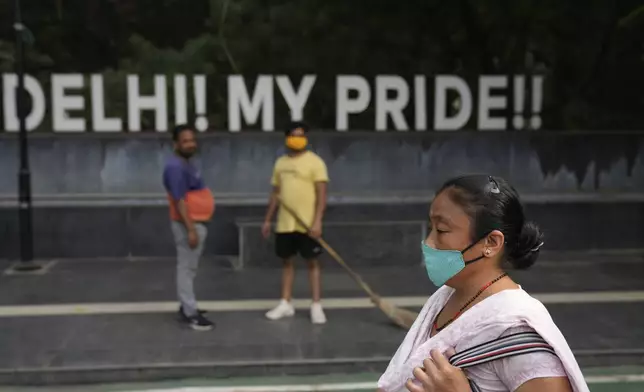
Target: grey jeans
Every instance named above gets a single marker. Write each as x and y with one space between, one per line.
187 264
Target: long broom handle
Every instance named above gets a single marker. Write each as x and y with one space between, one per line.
374 297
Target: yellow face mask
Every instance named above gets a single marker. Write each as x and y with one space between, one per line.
296 143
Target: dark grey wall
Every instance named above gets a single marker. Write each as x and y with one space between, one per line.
392 163
86 232
102 196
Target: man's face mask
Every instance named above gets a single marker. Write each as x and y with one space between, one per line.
296 143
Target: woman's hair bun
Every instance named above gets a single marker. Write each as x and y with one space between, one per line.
525 251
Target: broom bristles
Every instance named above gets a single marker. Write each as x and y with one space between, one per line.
402 317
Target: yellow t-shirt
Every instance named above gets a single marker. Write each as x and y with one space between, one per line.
296 178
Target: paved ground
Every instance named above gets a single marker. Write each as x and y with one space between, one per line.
121 345
153 280
625 379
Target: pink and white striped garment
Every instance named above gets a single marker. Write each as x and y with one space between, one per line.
501 314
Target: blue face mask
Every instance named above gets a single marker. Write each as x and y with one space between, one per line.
442 265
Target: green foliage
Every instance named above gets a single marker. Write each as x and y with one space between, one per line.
147 61
591 53
633 17
7 57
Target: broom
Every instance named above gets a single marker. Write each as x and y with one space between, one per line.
401 317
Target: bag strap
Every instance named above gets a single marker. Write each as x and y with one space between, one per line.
503 347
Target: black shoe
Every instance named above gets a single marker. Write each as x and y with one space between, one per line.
200 323
185 318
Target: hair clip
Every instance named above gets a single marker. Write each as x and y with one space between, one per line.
536 248
493 187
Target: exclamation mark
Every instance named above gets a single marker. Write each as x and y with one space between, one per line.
537 101
519 102
201 122
180 99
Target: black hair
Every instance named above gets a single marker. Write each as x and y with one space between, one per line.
180 128
295 125
493 204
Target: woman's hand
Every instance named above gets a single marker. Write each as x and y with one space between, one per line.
439 375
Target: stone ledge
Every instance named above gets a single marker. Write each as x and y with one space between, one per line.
261 199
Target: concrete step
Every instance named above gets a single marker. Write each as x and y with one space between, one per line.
599 379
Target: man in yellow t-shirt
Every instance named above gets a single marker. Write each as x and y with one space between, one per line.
300 179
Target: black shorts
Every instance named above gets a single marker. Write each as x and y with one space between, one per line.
288 245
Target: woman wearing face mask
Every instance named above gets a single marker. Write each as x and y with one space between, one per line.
480 331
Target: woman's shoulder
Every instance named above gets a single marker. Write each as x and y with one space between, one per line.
495 314
518 301
514 302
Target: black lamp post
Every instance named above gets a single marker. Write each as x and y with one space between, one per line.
24 175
